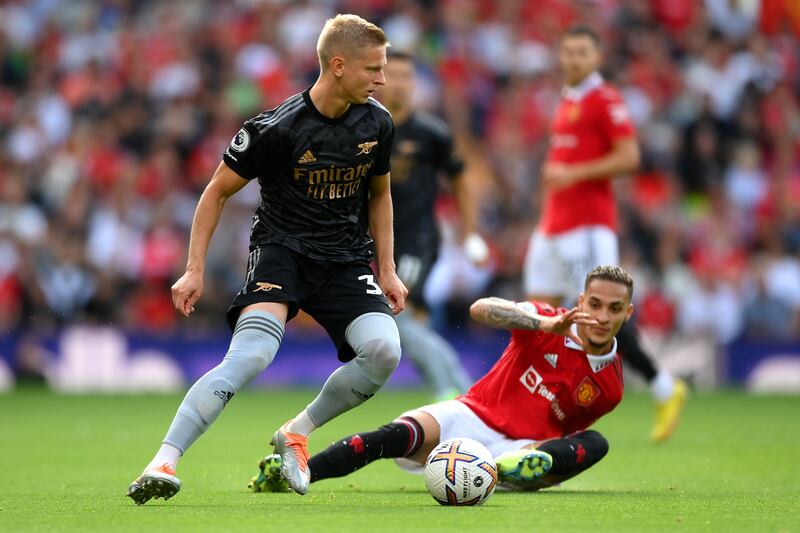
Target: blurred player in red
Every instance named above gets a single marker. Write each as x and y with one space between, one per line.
593 140
557 376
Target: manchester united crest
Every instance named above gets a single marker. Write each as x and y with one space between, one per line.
587 392
573 112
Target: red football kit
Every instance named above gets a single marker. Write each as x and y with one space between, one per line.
587 122
545 386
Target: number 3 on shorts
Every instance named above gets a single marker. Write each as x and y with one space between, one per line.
370 279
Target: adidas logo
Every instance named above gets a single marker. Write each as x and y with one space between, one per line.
551 358
361 396
224 395
307 157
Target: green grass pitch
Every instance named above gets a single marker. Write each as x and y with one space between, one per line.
66 461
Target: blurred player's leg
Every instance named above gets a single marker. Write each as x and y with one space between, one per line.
570 456
668 412
376 342
433 356
669 393
543 271
255 341
628 345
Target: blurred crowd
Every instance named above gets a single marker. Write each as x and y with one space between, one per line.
115 113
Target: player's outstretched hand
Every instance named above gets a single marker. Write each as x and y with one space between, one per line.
562 324
394 290
186 291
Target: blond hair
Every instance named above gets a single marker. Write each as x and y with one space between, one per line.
345 35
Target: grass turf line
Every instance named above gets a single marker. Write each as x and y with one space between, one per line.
66 463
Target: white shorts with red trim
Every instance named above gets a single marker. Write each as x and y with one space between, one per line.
457 420
556 265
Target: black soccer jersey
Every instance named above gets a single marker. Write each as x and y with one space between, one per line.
423 150
314 174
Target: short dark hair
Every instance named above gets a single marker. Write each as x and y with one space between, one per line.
403 55
582 30
610 273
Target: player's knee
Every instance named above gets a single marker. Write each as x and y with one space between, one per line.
248 363
382 355
376 342
255 341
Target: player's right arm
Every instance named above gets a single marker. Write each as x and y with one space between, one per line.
464 193
224 184
505 314
623 157
613 123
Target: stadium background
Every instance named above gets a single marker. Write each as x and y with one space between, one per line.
113 115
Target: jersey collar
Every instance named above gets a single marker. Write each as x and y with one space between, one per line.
320 116
577 92
597 362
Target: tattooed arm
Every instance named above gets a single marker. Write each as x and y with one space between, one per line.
504 314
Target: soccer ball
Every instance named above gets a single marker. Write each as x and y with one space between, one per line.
460 472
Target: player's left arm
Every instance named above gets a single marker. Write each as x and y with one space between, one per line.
382 231
505 314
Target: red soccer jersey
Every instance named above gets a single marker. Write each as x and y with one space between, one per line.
545 386
587 122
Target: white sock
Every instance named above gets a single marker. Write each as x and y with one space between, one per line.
166 454
301 424
661 386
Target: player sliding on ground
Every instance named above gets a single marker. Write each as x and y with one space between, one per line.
559 373
322 161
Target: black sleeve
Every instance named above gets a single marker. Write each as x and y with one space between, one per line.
447 159
382 163
249 150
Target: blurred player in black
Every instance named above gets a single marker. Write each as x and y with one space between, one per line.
422 154
321 159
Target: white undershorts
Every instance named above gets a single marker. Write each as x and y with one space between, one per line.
556 265
457 420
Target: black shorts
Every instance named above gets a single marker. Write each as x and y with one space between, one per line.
413 269
334 294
